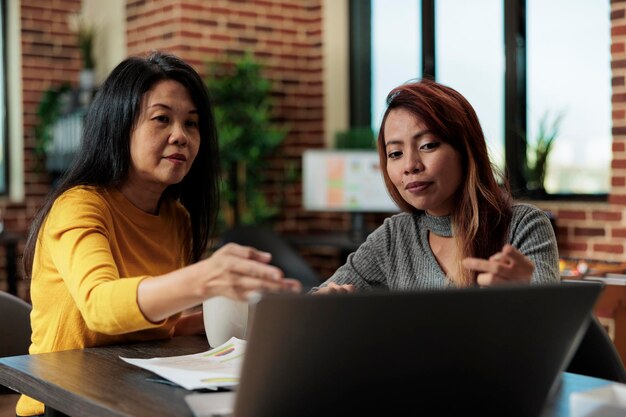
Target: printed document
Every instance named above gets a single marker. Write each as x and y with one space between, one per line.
216 368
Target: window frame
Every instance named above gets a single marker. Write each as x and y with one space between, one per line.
4 109
515 93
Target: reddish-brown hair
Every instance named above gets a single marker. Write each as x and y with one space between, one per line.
482 212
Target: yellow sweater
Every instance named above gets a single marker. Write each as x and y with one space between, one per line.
93 251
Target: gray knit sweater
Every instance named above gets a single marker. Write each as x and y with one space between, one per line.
397 255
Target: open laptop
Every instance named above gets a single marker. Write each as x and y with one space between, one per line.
485 351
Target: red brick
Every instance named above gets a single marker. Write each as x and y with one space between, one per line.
618 163
608 248
618 233
618 30
573 246
617 199
588 231
619 98
606 215
571 215
618 181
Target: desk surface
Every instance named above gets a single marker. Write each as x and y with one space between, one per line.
95 382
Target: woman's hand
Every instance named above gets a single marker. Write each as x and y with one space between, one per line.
233 271
333 288
509 265
236 271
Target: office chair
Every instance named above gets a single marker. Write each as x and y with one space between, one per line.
14 325
284 256
14 330
597 356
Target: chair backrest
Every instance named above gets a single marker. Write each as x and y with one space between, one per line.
597 356
15 328
284 256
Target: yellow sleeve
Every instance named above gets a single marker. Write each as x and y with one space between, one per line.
77 233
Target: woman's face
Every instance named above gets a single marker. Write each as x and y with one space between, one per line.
166 138
425 170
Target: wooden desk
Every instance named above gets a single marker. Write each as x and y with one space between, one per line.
95 382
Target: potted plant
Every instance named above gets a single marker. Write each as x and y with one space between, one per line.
48 112
538 152
85 35
247 135
356 138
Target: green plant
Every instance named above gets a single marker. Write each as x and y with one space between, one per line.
356 138
85 34
247 135
47 114
538 151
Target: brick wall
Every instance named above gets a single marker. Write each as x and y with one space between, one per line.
49 57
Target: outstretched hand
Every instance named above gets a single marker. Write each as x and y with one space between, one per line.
237 271
233 271
333 288
507 266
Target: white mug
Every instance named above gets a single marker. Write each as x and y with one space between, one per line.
224 318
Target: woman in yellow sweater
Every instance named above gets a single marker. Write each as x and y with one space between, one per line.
115 252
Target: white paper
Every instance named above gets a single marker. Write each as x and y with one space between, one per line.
215 368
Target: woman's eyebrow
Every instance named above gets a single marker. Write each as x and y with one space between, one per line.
415 136
165 106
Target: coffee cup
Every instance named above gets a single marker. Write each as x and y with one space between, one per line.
224 318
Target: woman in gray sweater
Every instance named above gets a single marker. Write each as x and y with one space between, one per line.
458 227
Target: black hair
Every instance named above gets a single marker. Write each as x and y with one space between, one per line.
104 157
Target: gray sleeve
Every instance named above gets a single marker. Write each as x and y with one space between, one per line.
367 267
532 234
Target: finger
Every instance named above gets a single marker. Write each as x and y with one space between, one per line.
513 253
331 288
502 268
244 285
292 285
247 252
343 288
520 265
496 256
255 269
481 265
349 288
488 279
247 283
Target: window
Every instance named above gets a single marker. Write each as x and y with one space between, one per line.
569 75
393 62
469 46
516 61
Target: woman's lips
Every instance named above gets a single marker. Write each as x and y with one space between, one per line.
417 186
176 158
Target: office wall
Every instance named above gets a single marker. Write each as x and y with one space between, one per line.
46 53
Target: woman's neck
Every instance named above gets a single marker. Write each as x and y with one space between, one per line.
144 198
